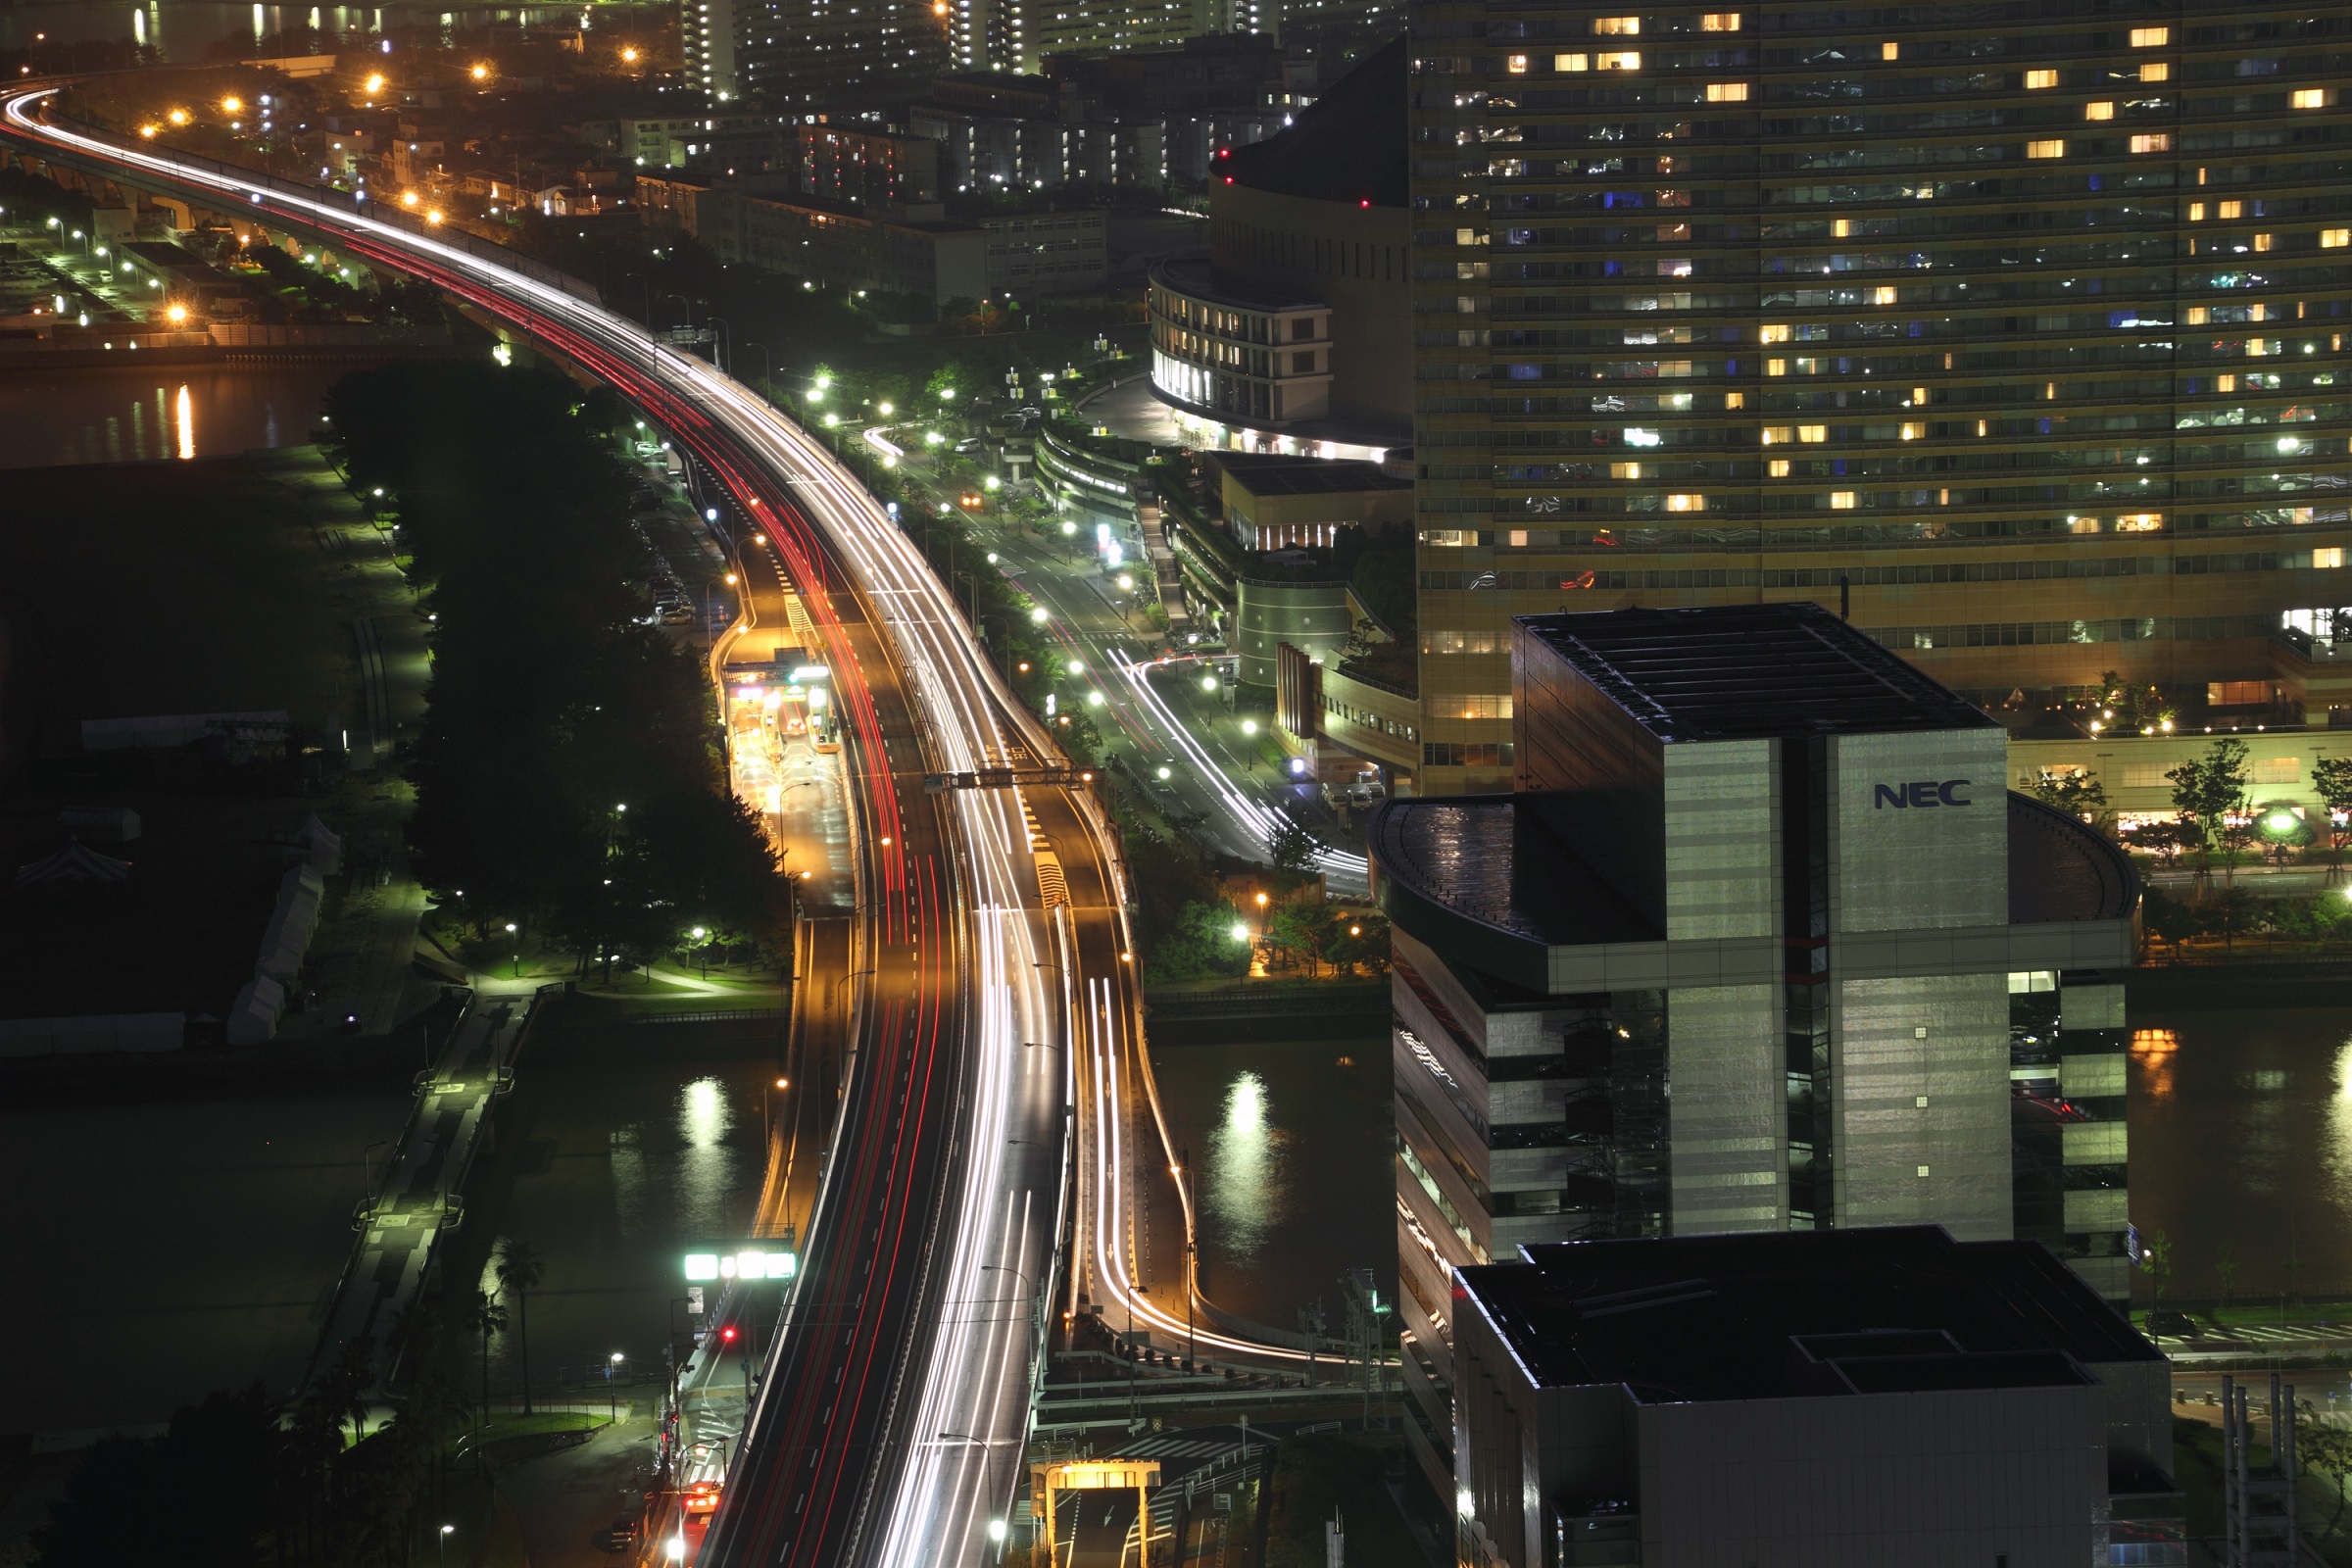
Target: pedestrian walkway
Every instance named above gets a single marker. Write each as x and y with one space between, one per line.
421 1194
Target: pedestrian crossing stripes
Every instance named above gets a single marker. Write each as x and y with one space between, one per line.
1175 1447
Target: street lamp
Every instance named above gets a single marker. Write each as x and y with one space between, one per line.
447 1531
519 949
611 1403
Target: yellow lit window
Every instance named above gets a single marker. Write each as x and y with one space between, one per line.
2225 384
1625 26
1772 332
2151 37
1625 471
2153 141
1840 227
2230 209
2196 212
1884 294
1686 503
2262 242
2041 79
1915 432
1890 50
2139 523
1983 428
1919 397
1812 432
2309 98
1777 435
1778 468
1776 367
1570 62
1727 92
2155 71
1718 21
1735 400
1517 65
2329 558
2195 316
2055 147
1630 59
2256 348
2334 239
2098 110
1841 501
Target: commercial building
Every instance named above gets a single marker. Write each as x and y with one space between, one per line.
1292 335
1826 1400
1271 501
1758 942
2025 325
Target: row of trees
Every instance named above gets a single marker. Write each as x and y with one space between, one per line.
568 774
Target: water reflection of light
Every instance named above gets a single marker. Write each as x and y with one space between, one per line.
185 406
2153 1050
1248 1171
706 1165
2340 1129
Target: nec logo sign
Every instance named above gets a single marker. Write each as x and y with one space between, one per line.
1926 792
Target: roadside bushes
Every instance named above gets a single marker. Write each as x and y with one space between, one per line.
567 774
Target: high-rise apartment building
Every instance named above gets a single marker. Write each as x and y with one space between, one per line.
2025 322
796 56
1760 942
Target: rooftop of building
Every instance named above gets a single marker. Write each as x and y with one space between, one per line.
1277 473
1349 145
1483 859
1742 671
1800 1313
1194 278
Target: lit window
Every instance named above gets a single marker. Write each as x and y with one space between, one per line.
1890 51
1518 65
1625 26
1777 435
1884 294
1812 432
2196 212
2333 239
1630 59
1735 400
1772 333
1727 92
1625 471
2195 316
1840 227
2041 79
1686 503
1914 432
2154 141
2225 384
2155 71
2139 523
2151 37
2309 98
2055 147
1571 62
2329 558
1776 367
1780 468
1841 501
1718 21
2262 242
2230 209
2098 110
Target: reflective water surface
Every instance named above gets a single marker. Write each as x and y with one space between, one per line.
2242 1147
1290 1142
171 412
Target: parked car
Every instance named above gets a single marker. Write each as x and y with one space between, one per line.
623 1533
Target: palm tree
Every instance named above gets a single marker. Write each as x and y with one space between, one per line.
519 1270
488 1318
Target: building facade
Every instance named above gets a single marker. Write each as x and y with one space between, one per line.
2026 324
1292 334
1759 943
1807 1402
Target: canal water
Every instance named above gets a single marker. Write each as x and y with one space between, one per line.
2242 1147
149 415
1291 1144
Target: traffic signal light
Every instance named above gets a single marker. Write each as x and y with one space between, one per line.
727 1336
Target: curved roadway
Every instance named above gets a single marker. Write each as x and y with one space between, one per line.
892 1424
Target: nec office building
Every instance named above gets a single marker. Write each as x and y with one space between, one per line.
1759 942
